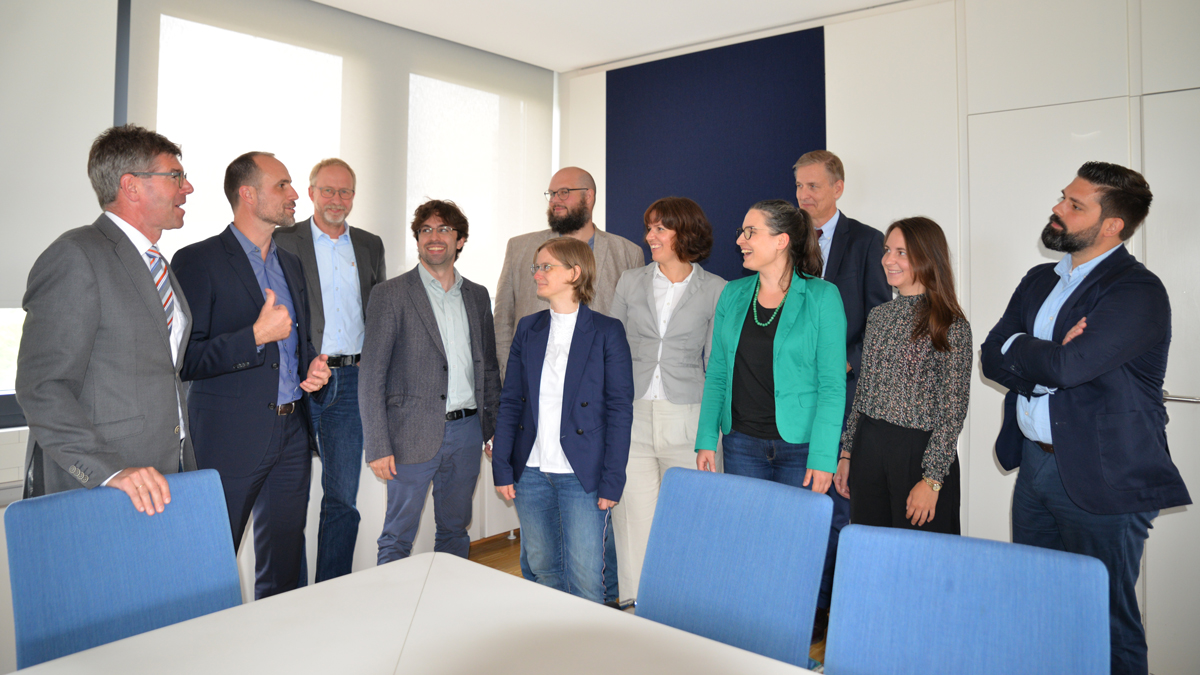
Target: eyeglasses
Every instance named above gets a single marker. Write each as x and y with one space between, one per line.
177 176
328 192
544 267
441 229
748 232
562 193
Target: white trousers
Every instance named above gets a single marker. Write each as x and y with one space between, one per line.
663 436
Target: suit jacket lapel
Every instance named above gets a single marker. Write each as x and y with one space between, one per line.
307 251
581 348
420 299
797 296
535 356
688 291
471 303
1115 262
139 274
364 265
293 274
187 317
241 266
650 296
837 247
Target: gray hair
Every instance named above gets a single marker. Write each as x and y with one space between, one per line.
122 150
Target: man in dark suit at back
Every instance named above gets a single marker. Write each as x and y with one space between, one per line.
105 332
429 387
341 266
251 362
851 256
1082 349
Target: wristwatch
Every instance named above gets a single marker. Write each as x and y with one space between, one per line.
932 483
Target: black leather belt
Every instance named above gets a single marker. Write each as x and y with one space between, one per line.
343 360
459 414
1048 447
286 408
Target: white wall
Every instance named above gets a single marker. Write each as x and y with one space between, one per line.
56 101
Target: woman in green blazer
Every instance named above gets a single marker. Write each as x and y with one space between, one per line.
776 380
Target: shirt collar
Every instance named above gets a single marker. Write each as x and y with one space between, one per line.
249 246
428 280
659 276
318 233
139 240
828 228
1063 268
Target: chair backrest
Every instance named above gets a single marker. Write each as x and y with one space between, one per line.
87 569
737 560
918 602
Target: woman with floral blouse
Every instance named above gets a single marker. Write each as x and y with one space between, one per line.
899 461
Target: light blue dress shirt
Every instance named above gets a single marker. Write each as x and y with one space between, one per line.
826 240
269 274
341 293
1033 414
451 315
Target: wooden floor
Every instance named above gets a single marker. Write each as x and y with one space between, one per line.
504 554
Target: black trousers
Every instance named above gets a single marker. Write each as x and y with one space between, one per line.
885 467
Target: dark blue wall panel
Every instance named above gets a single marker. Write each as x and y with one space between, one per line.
722 127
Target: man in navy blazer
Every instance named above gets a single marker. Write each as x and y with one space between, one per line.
1082 348
852 258
251 361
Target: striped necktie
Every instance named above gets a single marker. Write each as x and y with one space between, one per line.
162 281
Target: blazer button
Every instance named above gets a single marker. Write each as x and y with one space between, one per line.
522 399
579 431
271 406
274 366
176 429
443 397
444 368
583 405
521 427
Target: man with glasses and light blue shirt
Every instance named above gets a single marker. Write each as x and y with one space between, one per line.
341 265
429 387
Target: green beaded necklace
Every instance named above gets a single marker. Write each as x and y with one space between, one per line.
754 304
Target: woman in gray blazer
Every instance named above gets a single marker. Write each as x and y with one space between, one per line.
667 308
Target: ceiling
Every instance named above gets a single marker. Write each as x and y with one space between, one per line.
563 37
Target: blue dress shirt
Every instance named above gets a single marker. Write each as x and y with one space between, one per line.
1033 414
340 292
826 240
269 274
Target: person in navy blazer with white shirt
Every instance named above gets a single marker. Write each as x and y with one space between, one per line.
562 434
851 259
1082 349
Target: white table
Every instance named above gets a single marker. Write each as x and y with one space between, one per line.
431 613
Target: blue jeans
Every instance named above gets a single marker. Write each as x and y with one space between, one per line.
563 532
1044 515
611 582
338 428
454 471
783 462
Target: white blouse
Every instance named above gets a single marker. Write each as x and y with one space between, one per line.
547 453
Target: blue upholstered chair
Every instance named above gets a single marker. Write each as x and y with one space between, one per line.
919 602
87 569
737 560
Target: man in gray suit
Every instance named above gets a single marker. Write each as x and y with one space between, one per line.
341 265
429 386
105 333
572 196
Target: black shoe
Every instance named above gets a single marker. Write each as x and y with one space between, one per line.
820 625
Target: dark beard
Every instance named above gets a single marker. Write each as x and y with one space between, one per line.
1065 242
572 222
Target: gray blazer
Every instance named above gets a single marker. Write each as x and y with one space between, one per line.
516 294
403 377
368 255
94 373
688 340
